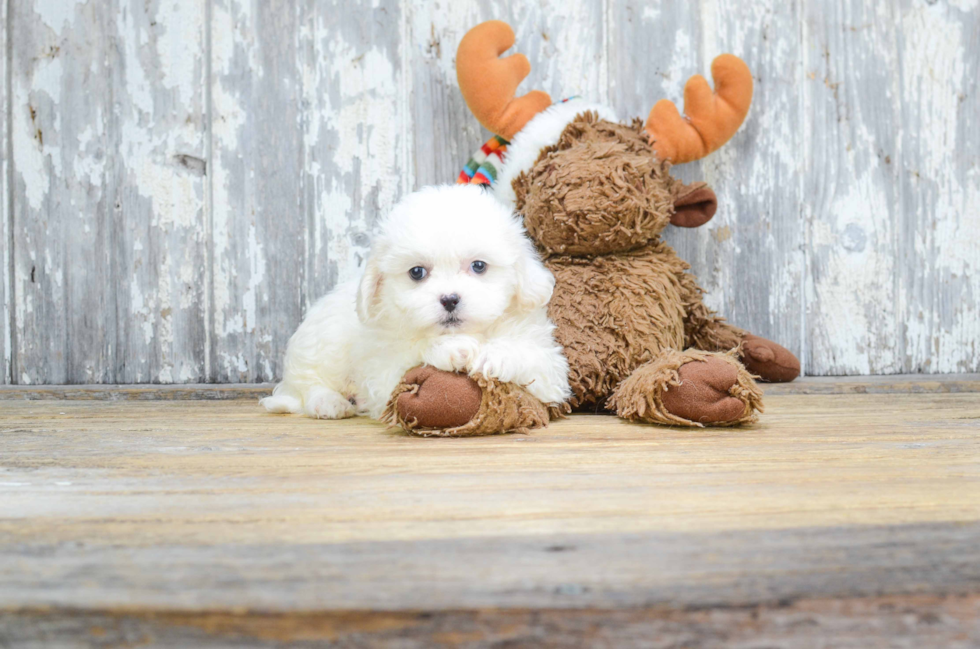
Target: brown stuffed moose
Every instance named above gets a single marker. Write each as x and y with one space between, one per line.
595 195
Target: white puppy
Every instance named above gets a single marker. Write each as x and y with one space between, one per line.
452 282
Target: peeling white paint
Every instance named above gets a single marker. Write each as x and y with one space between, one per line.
29 158
355 140
179 63
942 332
57 14
256 279
6 303
962 5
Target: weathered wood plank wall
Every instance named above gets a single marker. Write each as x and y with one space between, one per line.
5 201
181 180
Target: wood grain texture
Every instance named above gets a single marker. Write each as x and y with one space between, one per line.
6 311
860 623
357 135
853 208
890 384
258 227
939 246
167 225
108 247
182 516
157 135
932 476
64 285
892 186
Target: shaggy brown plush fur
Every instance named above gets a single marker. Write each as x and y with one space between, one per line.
689 388
625 306
502 407
614 313
597 190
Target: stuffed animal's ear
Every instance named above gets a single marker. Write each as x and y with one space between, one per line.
535 283
368 290
694 205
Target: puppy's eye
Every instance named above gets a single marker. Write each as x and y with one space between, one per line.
418 273
479 267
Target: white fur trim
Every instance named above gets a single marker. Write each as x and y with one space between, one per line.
543 130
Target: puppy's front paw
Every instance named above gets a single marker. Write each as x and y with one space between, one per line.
494 363
453 353
324 403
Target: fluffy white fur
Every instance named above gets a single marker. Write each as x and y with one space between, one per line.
543 130
356 343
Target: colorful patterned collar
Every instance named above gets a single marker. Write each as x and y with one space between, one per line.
481 168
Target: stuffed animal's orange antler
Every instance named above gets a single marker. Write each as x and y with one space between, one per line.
488 83
712 118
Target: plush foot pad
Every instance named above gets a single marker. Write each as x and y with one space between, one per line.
431 402
691 388
769 361
438 399
702 392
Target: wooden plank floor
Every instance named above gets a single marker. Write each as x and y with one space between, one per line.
182 523
890 384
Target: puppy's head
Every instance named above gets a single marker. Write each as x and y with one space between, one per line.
451 259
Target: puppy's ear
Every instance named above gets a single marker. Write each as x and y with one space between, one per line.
369 288
535 283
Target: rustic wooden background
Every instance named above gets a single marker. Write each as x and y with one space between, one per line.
181 179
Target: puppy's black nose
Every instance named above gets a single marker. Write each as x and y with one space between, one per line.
449 302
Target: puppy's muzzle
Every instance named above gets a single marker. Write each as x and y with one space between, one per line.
449 302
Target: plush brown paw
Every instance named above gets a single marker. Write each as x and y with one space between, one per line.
703 393
689 388
430 402
441 399
768 360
